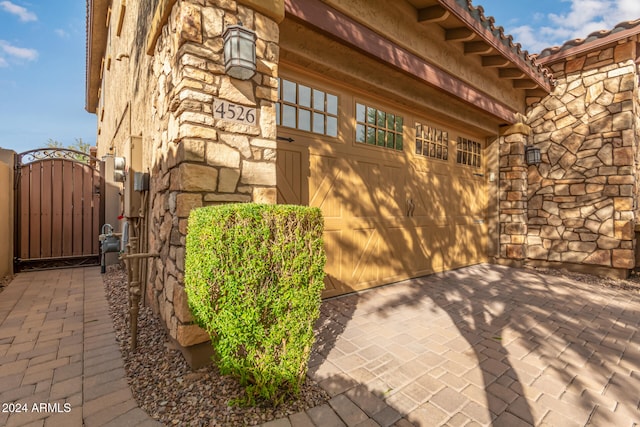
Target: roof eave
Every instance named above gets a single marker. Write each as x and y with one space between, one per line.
96 47
521 59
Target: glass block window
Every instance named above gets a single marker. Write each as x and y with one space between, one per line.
306 108
469 153
377 127
432 142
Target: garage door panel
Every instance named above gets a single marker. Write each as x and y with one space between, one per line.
363 179
365 256
334 268
429 256
471 194
400 250
429 195
470 247
289 177
366 191
327 186
391 194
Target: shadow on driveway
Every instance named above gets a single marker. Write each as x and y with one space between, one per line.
490 344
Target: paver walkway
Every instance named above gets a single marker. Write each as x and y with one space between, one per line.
60 364
483 345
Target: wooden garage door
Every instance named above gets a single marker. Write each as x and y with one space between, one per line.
402 196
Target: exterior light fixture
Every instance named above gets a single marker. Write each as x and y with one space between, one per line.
239 52
532 155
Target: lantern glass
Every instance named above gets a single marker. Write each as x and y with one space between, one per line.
239 52
532 155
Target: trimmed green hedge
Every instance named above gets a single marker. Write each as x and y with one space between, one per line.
253 276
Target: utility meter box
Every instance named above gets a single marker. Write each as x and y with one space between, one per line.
140 181
133 197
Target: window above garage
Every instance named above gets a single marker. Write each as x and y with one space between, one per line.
469 153
306 108
378 127
432 142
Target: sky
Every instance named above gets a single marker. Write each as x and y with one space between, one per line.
43 42
42 74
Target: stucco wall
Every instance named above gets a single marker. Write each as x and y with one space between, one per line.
399 24
581 205
6 212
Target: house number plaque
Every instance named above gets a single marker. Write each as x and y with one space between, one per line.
226 110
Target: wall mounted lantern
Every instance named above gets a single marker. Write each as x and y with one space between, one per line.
532 155
239 52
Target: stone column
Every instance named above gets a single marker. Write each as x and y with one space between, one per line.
513 194
206 159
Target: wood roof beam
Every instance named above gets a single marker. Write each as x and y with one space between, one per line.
495 61
462 34
478 48
524 84
433 14
511 73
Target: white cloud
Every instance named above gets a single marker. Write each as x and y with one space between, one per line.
19 11
583 18
583 12
626 10
3 62
61 33
18 52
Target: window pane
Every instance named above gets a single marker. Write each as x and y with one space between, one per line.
419 133
381 119
398 124
332 104
371 115
418 147
360 130
360 116
289 116
318 123
390 138
371 135
390 121
318 100
399 145
380 138
304 119
332 126
304 96
289 91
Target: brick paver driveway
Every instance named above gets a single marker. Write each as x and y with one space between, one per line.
485 345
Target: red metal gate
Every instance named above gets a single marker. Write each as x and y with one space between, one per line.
59 210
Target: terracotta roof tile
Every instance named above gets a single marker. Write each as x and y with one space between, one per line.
596 35
506 39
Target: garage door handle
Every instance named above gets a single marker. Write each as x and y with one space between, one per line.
410 207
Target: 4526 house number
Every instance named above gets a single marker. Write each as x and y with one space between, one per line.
226 110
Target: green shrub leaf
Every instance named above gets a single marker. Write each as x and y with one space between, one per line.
253 277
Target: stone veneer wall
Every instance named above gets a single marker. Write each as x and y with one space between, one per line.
513 194
581 197
200 161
